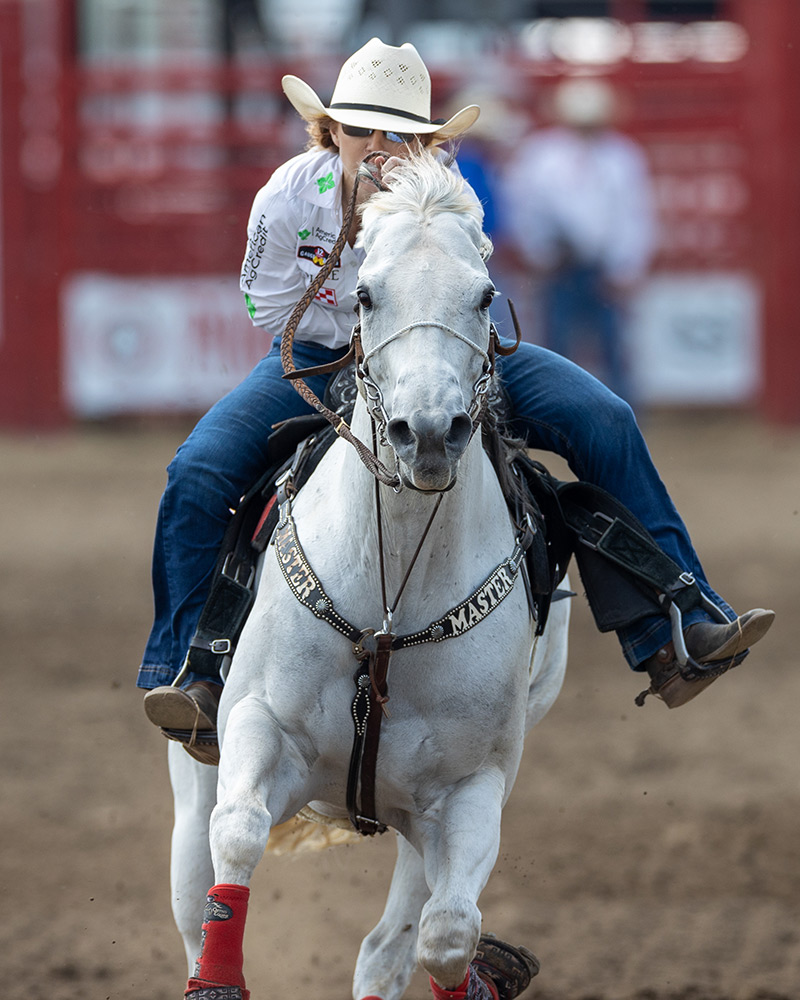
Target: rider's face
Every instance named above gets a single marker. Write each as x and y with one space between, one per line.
353 149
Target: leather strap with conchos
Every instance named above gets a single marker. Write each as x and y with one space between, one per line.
309 591
373 652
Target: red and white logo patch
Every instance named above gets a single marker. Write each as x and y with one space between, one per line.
326 295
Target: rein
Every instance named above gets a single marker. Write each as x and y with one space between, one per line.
340 425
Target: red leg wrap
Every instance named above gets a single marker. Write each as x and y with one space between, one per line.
459 993
473 988
221 959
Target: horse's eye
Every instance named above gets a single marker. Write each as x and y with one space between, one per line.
363 298
488 296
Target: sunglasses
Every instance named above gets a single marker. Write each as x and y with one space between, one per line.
364 133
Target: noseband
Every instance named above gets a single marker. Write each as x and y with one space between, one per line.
372 391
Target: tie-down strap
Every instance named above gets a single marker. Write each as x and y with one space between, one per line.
470 612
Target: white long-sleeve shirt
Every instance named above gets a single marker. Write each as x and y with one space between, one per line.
587 195
293 225
294 222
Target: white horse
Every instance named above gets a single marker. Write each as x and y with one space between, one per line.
452 735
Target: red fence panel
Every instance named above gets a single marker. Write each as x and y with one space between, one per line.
124 195
35 37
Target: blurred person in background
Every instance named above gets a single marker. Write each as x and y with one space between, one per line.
580 206
381 102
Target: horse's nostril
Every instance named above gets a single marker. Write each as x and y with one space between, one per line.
460 431
400 434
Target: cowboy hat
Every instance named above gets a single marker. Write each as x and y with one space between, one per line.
384 87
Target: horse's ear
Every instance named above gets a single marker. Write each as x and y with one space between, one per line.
494 337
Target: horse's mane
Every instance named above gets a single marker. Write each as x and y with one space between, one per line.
425 186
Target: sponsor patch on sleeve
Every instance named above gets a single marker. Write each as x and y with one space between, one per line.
316 254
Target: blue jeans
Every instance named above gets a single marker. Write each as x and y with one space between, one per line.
557 406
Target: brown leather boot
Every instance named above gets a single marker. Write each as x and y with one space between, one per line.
189 716
717 646
192 707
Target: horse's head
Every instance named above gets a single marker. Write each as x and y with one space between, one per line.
424 295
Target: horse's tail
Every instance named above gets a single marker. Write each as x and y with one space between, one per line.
309 831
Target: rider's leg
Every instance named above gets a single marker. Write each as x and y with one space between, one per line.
222 457
559 407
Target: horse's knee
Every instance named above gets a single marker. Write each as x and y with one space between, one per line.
448 937
239 832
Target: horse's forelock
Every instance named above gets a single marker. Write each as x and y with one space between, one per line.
425 187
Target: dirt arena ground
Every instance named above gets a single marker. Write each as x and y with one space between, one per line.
647 854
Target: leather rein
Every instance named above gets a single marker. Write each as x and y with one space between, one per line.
373 649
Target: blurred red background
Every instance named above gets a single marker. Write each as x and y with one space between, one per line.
125 187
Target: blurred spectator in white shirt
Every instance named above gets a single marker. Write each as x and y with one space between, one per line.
579 204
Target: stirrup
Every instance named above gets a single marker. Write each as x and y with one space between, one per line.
203 745
675 687
689 668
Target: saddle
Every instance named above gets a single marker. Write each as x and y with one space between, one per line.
625 573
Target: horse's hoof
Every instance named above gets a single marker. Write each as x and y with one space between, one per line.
510 969
217 993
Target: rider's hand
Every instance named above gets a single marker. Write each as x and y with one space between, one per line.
380 168
388 165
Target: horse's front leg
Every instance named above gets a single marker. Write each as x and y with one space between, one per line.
459 846
194 789
388 954
260 774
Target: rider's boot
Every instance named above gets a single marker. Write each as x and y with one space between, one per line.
713 646
189 716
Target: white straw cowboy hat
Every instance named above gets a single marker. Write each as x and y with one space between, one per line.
384 87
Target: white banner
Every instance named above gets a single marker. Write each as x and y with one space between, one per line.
138 345
695 339
134 345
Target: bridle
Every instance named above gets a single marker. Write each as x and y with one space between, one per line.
355 353
372 391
